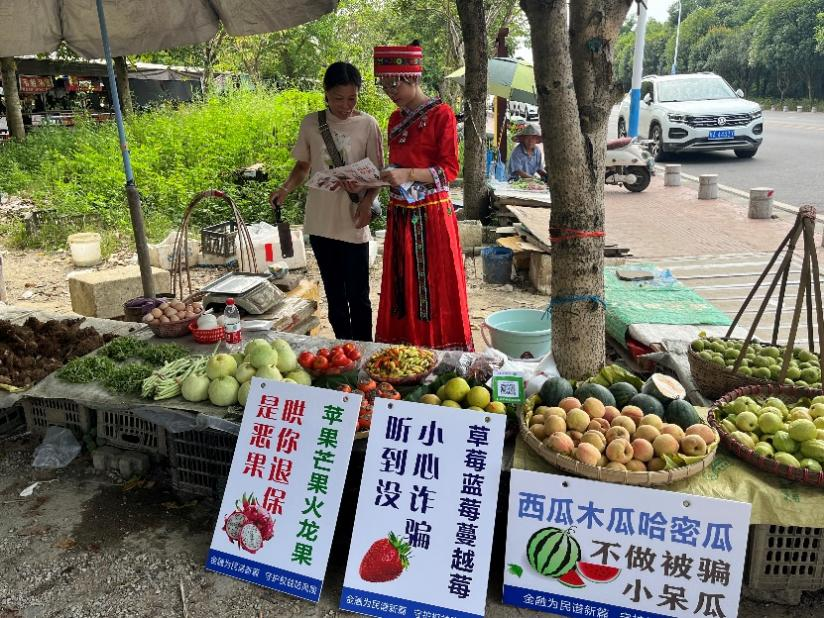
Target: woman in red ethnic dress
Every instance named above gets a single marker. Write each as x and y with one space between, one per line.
423 292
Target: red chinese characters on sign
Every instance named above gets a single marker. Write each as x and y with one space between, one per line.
281 440
80 84
35 84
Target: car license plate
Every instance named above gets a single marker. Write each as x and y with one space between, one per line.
725 134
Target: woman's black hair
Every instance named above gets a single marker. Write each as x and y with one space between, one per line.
415 43
341 74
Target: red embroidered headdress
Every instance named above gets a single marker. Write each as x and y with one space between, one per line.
398 61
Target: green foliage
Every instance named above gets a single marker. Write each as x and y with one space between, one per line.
176 152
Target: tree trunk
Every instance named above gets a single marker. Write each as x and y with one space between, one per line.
573 74
473 27
14 111
121 74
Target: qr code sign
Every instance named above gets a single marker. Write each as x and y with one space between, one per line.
508 388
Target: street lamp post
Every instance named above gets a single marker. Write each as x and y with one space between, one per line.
677 37
637 70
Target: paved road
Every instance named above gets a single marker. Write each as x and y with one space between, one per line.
790 159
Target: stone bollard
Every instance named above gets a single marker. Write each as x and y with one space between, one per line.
761 203
772 108
672 175
785 109
799 108
813 109
708 187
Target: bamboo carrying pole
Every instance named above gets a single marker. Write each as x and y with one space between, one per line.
809 293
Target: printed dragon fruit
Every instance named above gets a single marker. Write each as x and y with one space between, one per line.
248 511
250 538
233 523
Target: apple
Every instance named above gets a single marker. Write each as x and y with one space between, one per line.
746 421
587 454
764 449
770 422
245 372
643 449
620 450
593 407
616 433
221 366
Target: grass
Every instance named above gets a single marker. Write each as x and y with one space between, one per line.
176 151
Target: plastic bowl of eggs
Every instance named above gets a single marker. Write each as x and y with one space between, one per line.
172 318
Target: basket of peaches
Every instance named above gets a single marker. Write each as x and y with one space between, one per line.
597 441
331 361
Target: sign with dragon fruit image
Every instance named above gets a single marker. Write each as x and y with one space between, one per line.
422 539
588 549
278 513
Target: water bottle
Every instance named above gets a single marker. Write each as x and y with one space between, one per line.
231 327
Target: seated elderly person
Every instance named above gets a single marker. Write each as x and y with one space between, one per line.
527 160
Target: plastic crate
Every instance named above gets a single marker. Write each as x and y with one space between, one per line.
125 430
200 461
12 420
786 557
41 412
219 239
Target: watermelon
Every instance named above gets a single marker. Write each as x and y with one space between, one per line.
681 413
648 403
601 393
572 579
623 392
553 552
664 388
598 573
553 390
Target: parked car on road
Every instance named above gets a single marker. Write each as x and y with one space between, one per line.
695 112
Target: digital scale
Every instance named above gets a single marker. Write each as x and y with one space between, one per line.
253 292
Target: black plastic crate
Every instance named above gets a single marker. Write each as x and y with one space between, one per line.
12 421
219 239
785 558
41 412
200 461
125 430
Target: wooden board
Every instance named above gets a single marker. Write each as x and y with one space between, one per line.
520 249
502 196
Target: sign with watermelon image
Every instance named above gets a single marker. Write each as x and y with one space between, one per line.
587 549
279 510
422 539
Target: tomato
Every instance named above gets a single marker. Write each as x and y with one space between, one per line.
335 351
324 352
345 388
305 359
367 385
320 363
354 354
340 360
348 348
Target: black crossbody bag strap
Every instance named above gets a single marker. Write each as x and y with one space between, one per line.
332 148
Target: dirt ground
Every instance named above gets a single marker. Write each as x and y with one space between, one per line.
87 545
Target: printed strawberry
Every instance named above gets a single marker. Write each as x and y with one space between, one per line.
385 560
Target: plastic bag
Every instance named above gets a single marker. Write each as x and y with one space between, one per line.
58 449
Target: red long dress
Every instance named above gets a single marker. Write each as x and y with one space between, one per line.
423 291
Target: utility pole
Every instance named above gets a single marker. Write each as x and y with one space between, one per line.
637 69
501 123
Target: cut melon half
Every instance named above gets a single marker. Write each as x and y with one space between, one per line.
572 579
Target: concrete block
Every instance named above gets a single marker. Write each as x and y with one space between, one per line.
672 175
540 272
472 233
708 187
785 109
799 108
101 293
131 464
761 203
105 458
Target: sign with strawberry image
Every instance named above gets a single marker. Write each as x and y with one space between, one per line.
588 549
278 513
422 539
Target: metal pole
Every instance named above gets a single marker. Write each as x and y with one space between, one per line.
637 70
501 104
677 38
132 196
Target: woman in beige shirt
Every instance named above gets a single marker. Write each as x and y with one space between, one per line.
338 228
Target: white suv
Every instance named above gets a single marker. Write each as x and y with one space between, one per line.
695 112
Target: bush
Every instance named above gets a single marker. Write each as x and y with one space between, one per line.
176 151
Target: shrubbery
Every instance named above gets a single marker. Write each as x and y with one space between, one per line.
176 152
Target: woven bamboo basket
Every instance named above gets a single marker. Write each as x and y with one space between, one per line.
785 393
713 380
596 473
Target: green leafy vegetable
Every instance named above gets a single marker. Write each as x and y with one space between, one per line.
127 379
87 369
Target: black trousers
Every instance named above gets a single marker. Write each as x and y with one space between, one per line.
344 269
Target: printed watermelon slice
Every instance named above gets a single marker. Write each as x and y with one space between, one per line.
598 573
572 579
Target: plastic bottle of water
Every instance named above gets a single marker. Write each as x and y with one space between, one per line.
231 327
